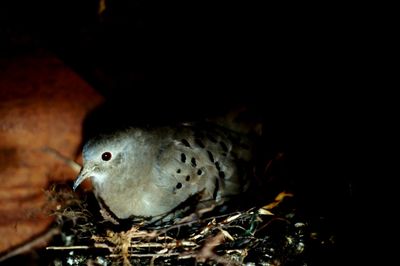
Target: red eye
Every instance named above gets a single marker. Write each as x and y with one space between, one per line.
106 156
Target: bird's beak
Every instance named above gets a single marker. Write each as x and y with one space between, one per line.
84 174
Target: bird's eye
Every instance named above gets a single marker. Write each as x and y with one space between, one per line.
106 156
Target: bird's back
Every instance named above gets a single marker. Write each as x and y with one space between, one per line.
204 158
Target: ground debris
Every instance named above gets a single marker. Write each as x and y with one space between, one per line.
270 235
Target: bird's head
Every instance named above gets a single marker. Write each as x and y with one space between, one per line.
103 158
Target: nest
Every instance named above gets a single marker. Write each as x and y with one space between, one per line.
273 234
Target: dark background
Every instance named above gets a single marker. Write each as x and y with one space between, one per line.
292 65
202 49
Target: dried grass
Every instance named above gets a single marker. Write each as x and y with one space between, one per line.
207 238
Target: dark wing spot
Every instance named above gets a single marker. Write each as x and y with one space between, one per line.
223 146
217 166
198 134
210 155
224 154
221 174
183 157
215 192
199 142
185 142
188 178
193 161
212 138
199 172
179 185
178 171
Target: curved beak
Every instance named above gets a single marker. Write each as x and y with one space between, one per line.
84 174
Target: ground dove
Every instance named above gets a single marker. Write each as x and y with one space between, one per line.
150 171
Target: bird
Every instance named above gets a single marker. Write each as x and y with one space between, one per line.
149 171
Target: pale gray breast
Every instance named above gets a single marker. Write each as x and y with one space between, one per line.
210 158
